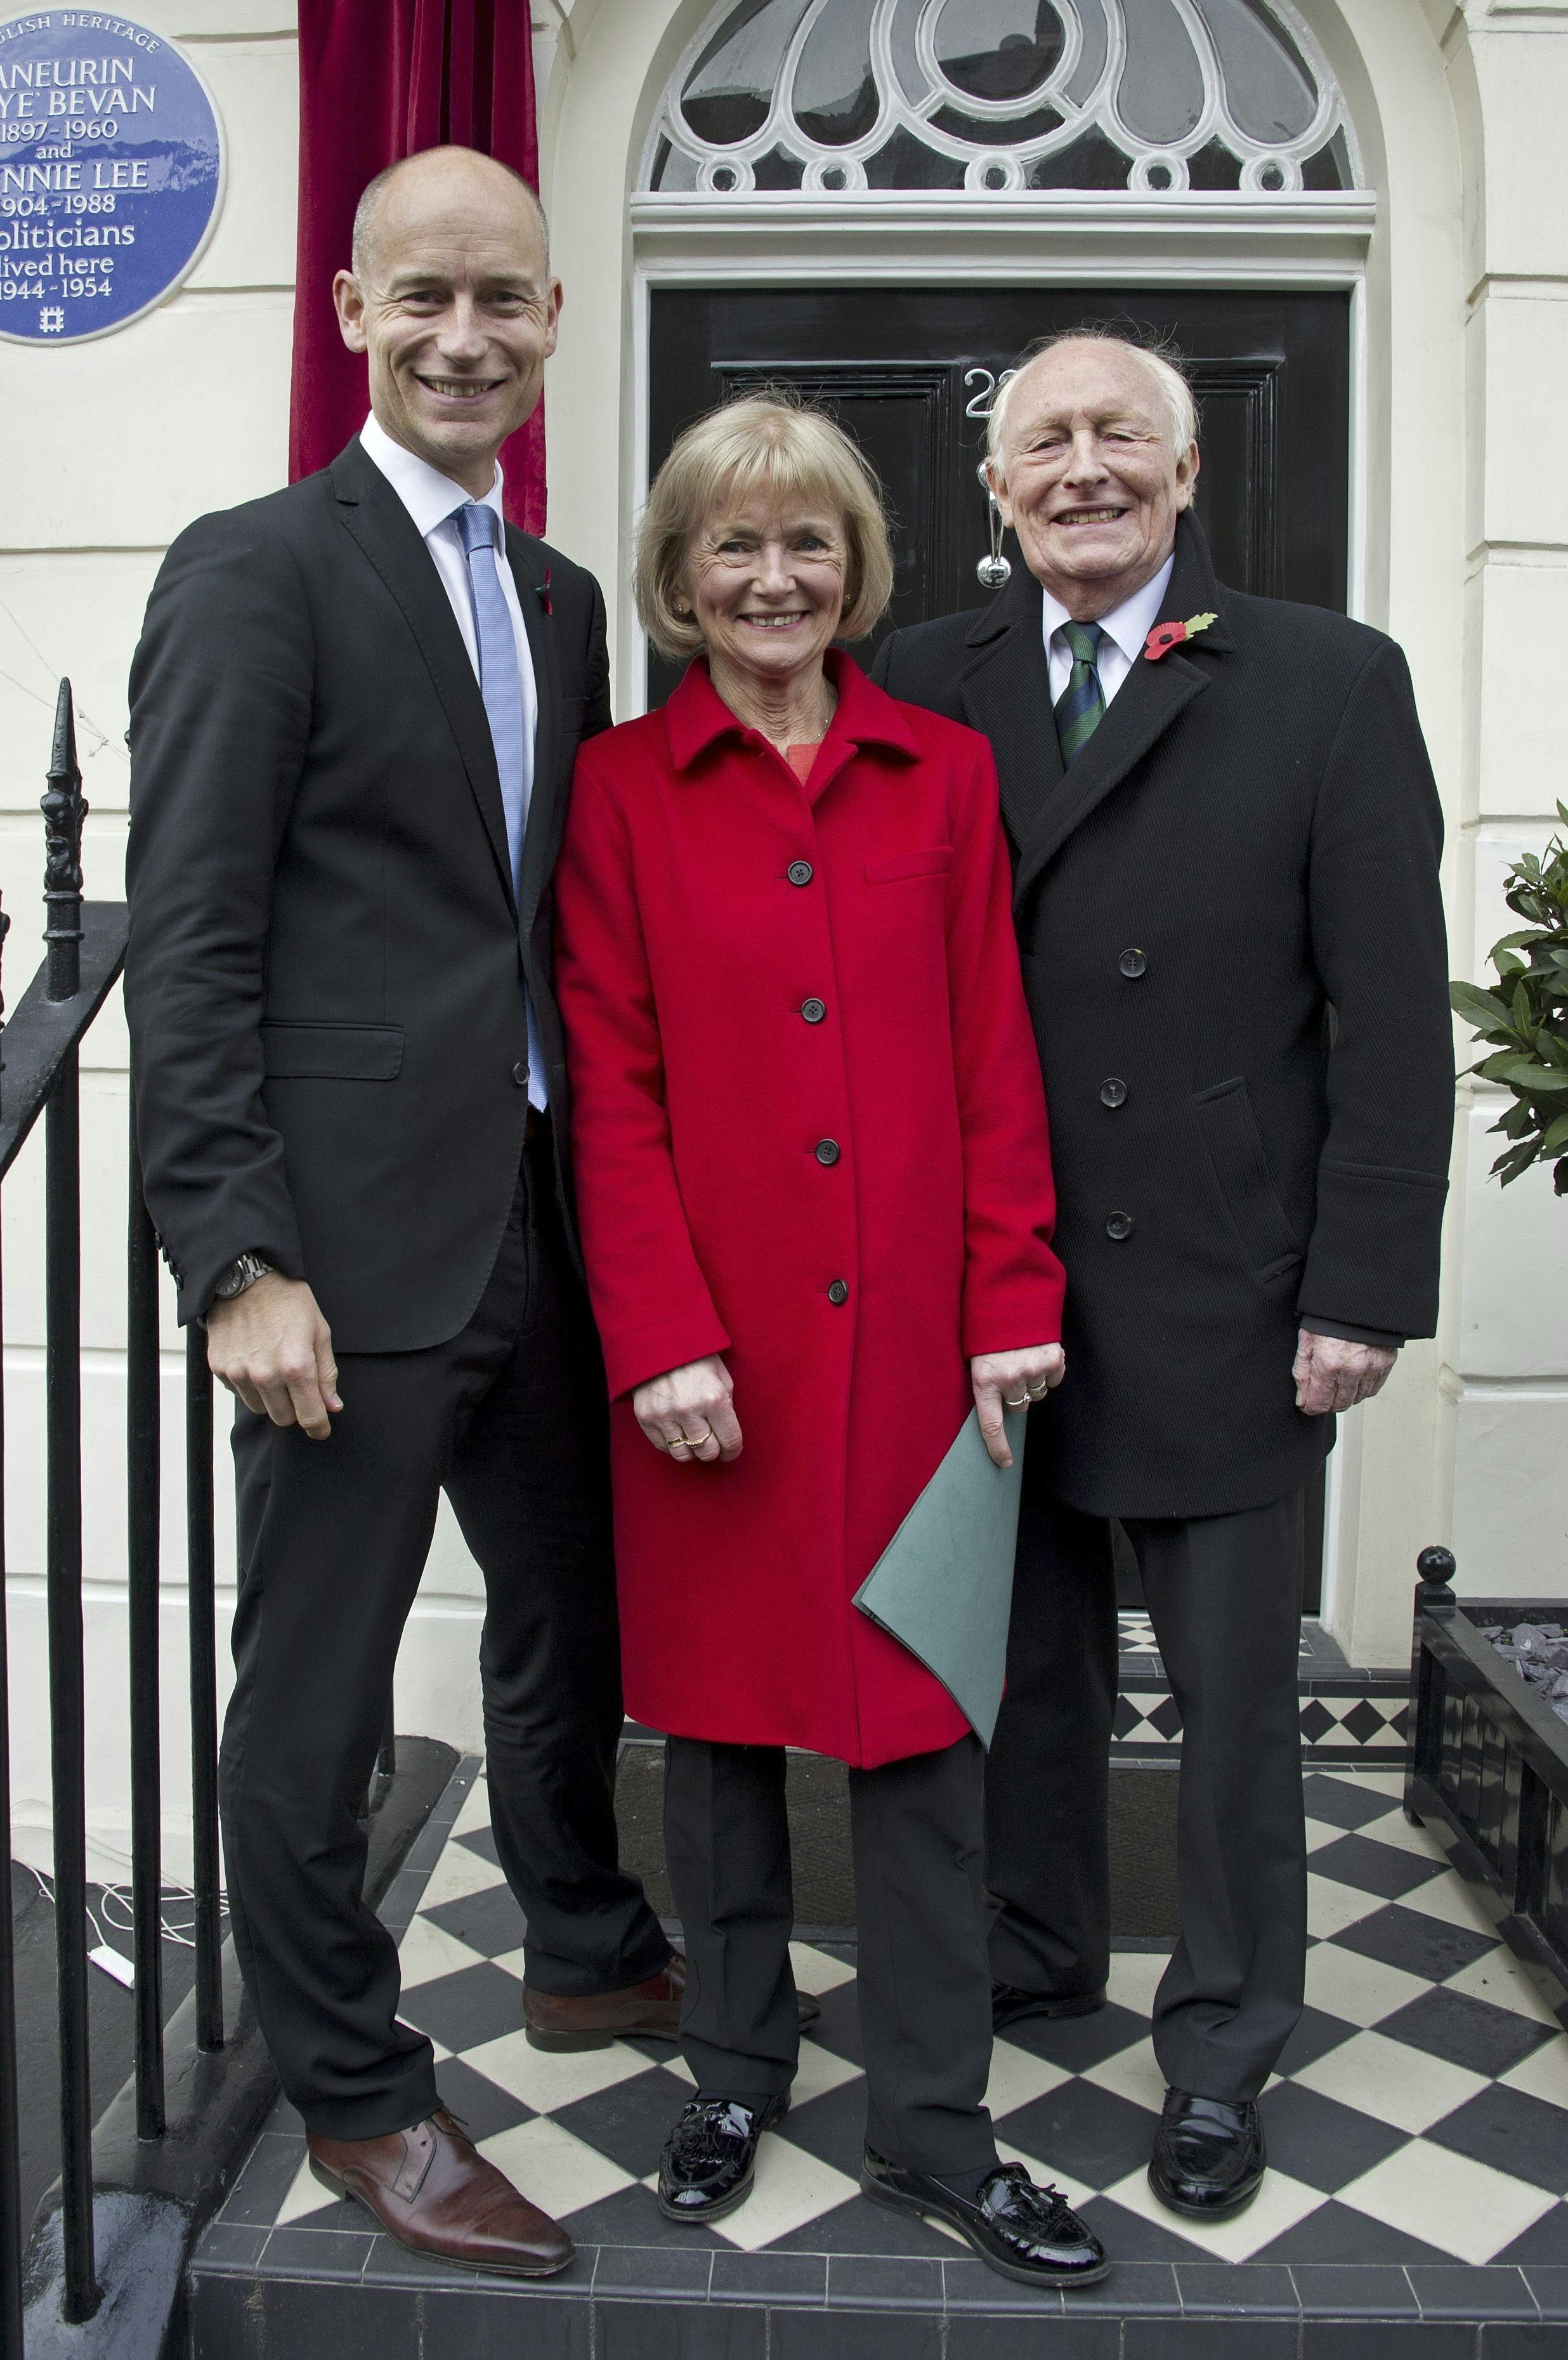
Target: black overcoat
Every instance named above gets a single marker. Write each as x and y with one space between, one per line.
325 978
1232 934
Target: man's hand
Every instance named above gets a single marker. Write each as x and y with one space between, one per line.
272 1348
1012 1380
690 1412
1332 1373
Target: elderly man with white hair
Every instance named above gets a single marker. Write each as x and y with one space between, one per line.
1226 840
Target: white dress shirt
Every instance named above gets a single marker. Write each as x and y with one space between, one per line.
432 500
1126 629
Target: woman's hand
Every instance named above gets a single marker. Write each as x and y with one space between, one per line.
688 1413
1012 1380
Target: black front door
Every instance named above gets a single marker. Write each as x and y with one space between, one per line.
910 371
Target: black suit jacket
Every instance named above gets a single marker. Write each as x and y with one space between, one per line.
1240 868
325 978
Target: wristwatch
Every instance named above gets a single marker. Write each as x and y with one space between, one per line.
243 1272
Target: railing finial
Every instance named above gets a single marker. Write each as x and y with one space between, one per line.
65 809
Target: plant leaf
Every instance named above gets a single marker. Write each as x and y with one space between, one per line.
1482 1009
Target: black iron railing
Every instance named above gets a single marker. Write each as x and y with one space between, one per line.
85 949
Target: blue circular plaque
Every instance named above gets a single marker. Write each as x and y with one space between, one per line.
111 173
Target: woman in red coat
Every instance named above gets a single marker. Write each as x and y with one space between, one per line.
816 1204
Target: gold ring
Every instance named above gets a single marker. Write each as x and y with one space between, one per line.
679 1443
1017 1405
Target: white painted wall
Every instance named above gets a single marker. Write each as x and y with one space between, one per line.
122 441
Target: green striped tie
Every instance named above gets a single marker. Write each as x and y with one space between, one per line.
1082 705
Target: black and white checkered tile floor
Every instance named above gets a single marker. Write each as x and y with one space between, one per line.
1421 2115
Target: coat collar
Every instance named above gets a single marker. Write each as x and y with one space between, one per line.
697 717
1005 692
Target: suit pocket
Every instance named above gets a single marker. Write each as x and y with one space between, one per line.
1240 1166
936 862
332 1052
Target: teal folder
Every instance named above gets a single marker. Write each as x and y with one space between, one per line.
943 1585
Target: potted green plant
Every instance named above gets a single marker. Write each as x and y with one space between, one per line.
1525 1021
1489 1744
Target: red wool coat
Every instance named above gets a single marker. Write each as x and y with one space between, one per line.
809 1134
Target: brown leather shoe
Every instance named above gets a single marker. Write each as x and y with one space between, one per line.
645 2010
431 2190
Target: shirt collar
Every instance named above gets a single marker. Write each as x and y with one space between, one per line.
428 496
1129 623
697 716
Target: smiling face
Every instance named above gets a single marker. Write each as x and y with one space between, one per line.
1090 480
765 579
455 306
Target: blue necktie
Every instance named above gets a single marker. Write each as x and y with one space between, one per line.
500 684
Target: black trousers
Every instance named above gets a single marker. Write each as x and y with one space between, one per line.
510 1420
924 1986
1225 1598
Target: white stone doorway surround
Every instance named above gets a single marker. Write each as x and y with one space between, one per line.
1394 244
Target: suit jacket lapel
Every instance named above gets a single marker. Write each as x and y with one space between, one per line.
390 540
1143 708
546 803
1006 694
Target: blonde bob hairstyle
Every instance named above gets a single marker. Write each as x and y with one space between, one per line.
764 440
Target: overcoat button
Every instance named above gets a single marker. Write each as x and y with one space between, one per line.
813 1011
1118 1226
838 1292
798 872
520 1076
1113 1093
1132 963
827 1151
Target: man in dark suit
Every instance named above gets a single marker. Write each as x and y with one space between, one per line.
1226 842
354 711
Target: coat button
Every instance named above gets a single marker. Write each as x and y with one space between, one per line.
1112 1092
520 1076
827 1151
838 1292
813 1011
798 872
1118 1226
1132 963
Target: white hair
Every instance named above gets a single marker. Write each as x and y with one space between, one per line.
1175 393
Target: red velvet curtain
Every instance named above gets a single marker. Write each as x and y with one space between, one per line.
379 79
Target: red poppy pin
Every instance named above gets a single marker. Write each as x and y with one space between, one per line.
541 592
1165 635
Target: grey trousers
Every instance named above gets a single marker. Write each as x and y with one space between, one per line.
1225 1598
924 1985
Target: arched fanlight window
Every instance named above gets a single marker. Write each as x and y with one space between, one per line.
995 96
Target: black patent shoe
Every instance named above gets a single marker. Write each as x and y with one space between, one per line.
709 2157
1208 2159
1025 2232
1010 2005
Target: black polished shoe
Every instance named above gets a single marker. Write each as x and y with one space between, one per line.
1025 2232
1009 2005
1208 2159
709 2157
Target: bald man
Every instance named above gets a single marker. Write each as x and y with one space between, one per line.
354 711
1225 841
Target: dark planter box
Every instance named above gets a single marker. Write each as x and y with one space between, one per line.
1487 1765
